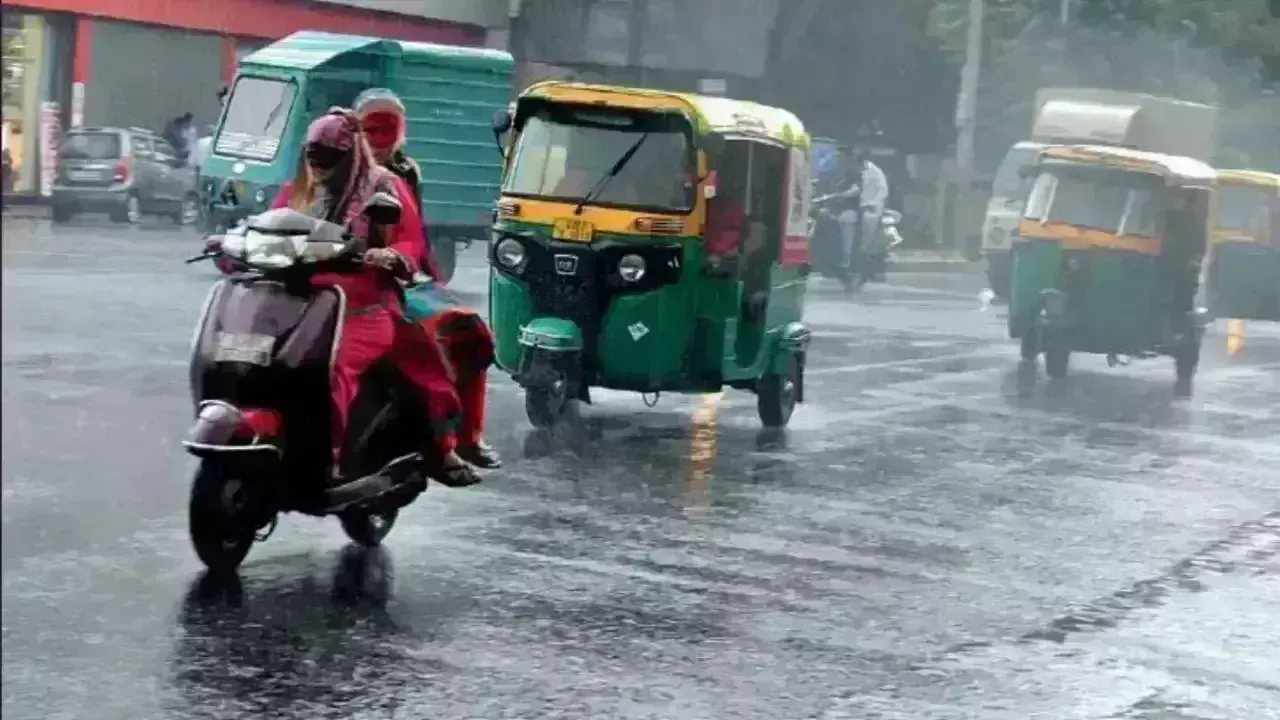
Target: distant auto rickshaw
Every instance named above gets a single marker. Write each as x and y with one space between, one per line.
650 241
1243 278
1111 244
450 95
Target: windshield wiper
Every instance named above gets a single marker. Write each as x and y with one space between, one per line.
285 89
611 174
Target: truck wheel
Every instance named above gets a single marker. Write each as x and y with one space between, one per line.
366 528
1057 354
445 250
1186 359
776 395
998 282
220 517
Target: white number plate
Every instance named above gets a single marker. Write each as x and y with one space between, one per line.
249 348
83 175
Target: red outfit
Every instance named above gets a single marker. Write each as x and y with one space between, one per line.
726 220
374 326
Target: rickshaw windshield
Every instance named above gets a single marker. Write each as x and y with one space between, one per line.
1244 207
255 119
565 151
1124 203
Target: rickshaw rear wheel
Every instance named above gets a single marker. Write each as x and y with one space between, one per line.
1057 359
776 395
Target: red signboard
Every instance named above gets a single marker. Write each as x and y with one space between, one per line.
269 19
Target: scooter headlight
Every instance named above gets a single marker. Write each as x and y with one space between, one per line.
631 268
510 253
260 197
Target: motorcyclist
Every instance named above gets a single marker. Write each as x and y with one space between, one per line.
463 334
340 176
864 189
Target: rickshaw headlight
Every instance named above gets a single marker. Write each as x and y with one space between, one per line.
510 253
631 268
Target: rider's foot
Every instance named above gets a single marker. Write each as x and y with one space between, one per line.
452 472
481 454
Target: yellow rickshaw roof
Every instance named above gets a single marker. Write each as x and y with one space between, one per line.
711 114
1174 167
1250 177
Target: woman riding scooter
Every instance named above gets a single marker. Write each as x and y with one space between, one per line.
467 340
339 176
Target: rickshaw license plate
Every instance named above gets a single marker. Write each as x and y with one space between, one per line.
571 230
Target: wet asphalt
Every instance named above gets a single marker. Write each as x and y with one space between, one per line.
937 535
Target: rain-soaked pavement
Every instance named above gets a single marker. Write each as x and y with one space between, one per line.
931 539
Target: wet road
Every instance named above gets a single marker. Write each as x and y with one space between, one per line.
932 538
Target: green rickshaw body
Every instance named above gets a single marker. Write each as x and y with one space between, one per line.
1243 278
1110 246
563 313
450 95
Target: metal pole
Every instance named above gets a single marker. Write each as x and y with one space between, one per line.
966 114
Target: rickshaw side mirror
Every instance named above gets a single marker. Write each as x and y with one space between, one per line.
382 209
501 122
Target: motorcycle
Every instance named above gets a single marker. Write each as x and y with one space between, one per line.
260 372
828 246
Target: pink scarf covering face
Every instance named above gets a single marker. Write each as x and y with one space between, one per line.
340 129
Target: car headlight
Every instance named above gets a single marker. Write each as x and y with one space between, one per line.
509 253
631 268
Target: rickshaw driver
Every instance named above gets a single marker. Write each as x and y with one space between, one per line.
463 335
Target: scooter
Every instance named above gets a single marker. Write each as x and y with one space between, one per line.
827 244
260 366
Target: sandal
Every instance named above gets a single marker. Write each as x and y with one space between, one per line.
452 472
481 454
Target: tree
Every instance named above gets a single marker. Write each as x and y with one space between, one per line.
1224 52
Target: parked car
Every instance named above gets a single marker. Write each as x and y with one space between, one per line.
124 172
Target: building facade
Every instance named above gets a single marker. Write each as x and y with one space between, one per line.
140 63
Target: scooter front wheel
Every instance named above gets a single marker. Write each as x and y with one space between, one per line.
366 528
221 517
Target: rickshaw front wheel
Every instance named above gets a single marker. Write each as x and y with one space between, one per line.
1030 345
545 406
776 395
1186 359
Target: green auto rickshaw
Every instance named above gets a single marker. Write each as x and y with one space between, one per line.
450 95
1111 244
1243 279
650 241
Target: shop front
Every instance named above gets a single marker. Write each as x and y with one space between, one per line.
37 56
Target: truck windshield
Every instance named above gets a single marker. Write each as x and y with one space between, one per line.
565 151
1009 183
1243 207
256 116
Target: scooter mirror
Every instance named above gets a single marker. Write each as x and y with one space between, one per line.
382 209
